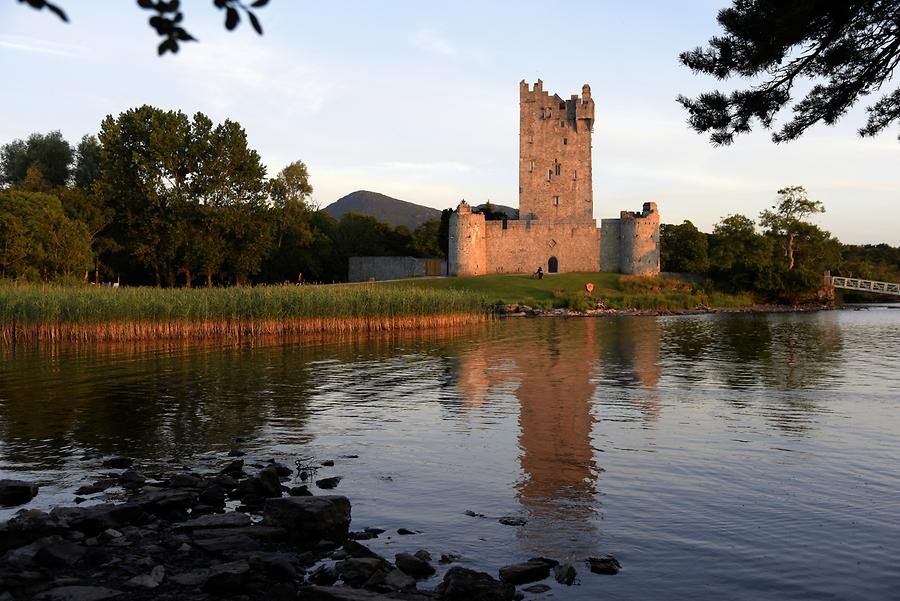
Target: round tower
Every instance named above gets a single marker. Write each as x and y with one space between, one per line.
640 241
466 254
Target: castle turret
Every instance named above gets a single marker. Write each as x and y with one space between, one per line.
466 242
630 244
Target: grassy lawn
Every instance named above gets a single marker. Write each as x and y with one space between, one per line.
518 288
568 290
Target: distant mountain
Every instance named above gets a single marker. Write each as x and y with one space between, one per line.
382 207
393 210
510 212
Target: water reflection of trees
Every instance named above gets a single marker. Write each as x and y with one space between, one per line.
773 360
163 400
149 402
629 368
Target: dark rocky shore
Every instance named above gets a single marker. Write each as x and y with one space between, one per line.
505 311
239 531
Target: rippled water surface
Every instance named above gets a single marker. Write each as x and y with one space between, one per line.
718 457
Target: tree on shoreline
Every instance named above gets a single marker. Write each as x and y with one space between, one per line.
848 49
683 248
788 221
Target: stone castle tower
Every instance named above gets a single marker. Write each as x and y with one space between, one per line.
630 244
556 229
555 155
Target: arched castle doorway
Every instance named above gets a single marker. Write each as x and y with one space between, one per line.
552 265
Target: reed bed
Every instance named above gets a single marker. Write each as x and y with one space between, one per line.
48 313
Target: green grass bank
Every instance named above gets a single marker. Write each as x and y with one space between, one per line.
567 290
38 313
82 313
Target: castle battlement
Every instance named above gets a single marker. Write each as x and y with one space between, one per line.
648 212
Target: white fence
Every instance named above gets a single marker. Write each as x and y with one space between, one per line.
865 285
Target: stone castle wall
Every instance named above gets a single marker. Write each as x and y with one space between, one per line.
611 241
631 243
362 269
523 246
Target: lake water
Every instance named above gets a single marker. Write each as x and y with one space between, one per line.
716 456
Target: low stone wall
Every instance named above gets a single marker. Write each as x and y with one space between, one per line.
363 269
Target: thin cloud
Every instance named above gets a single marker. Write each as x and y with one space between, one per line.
37 46
434 166
295 83
432 41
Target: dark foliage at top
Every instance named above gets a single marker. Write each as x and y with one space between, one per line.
846 49
168 18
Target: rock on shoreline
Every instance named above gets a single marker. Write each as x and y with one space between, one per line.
509 311
174 538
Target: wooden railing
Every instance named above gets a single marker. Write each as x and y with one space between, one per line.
863 285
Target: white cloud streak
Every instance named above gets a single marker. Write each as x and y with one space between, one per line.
38 46
433 42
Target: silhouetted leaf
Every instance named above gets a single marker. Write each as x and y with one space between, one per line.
255 22
259 3
146 4
170 45
57 11
232 18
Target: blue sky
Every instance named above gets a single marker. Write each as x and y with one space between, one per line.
420 101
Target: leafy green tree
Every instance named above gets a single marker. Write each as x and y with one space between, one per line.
683 248
50 153
321 261
241 189
740 258
87 162
143 178
444 232
34 180
871 261
788 218
848 49
425 239
292 215
188 196
86 208
817 252
38 240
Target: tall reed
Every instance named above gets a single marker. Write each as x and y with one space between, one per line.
37 313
